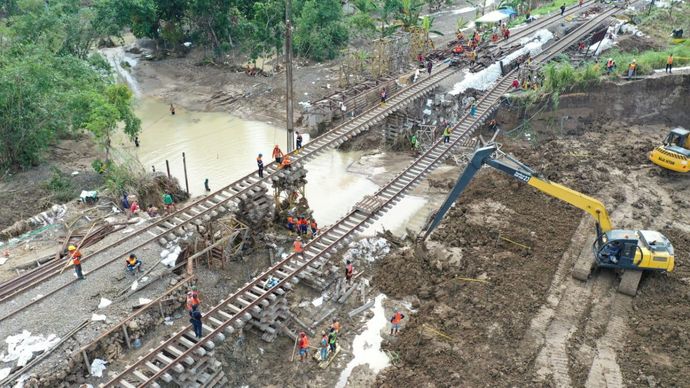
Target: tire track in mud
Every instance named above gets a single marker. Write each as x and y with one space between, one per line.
557 319
571 302
604 370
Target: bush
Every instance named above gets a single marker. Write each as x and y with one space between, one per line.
320 32
60 186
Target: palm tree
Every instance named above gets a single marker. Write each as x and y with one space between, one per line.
409 13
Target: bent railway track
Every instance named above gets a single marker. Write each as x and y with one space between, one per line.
181 351
226 198
229 196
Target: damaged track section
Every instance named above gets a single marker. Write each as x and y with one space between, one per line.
253 302
227 199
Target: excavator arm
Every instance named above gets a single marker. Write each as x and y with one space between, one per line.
485 155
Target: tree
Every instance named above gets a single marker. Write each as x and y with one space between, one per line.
45 96
408 13
319 29
107 111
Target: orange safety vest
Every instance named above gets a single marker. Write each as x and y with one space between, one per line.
336 326
669 60
632 66
303 342
297 245
349 269
131 260
290 220
609 64
76 258
313 225
397 317
286 161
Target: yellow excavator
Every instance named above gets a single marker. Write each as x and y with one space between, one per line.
629 251
674 154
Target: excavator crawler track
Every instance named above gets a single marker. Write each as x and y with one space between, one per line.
629 282
583 267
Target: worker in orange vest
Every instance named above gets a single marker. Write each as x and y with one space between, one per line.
303 225
277 154
669 63
349 270
314 228
336 325
303 346
395 321
193 300
297 246
291 223
286 163
75 256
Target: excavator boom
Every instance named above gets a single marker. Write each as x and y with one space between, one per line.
628 250
485 156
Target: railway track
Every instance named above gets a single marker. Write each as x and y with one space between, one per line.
181 351
226 198
544 22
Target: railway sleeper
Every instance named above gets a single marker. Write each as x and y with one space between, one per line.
175 352
155 369
200 350
165 360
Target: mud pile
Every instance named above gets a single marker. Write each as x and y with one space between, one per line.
657 349
481 295
484 318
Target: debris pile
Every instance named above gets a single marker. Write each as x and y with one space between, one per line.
370 249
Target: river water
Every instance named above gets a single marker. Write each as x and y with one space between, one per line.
223 148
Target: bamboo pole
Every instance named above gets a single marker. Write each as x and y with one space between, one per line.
78 247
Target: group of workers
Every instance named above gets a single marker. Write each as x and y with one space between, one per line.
74 257
132 207
329 338
327 346
302 226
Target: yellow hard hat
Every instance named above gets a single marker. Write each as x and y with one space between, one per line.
71 248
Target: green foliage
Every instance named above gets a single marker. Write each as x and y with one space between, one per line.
60 186
408 13
120 177
320 32
49 85
561 77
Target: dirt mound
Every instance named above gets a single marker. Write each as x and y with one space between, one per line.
487 316
637 44
658 347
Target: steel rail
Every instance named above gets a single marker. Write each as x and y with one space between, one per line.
22 283
344 228
544 22
234 191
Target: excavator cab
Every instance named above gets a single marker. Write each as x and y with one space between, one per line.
674 154
634 250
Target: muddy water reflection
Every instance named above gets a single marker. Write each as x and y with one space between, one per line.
223 149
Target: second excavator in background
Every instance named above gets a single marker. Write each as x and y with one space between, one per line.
674 154
628 251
